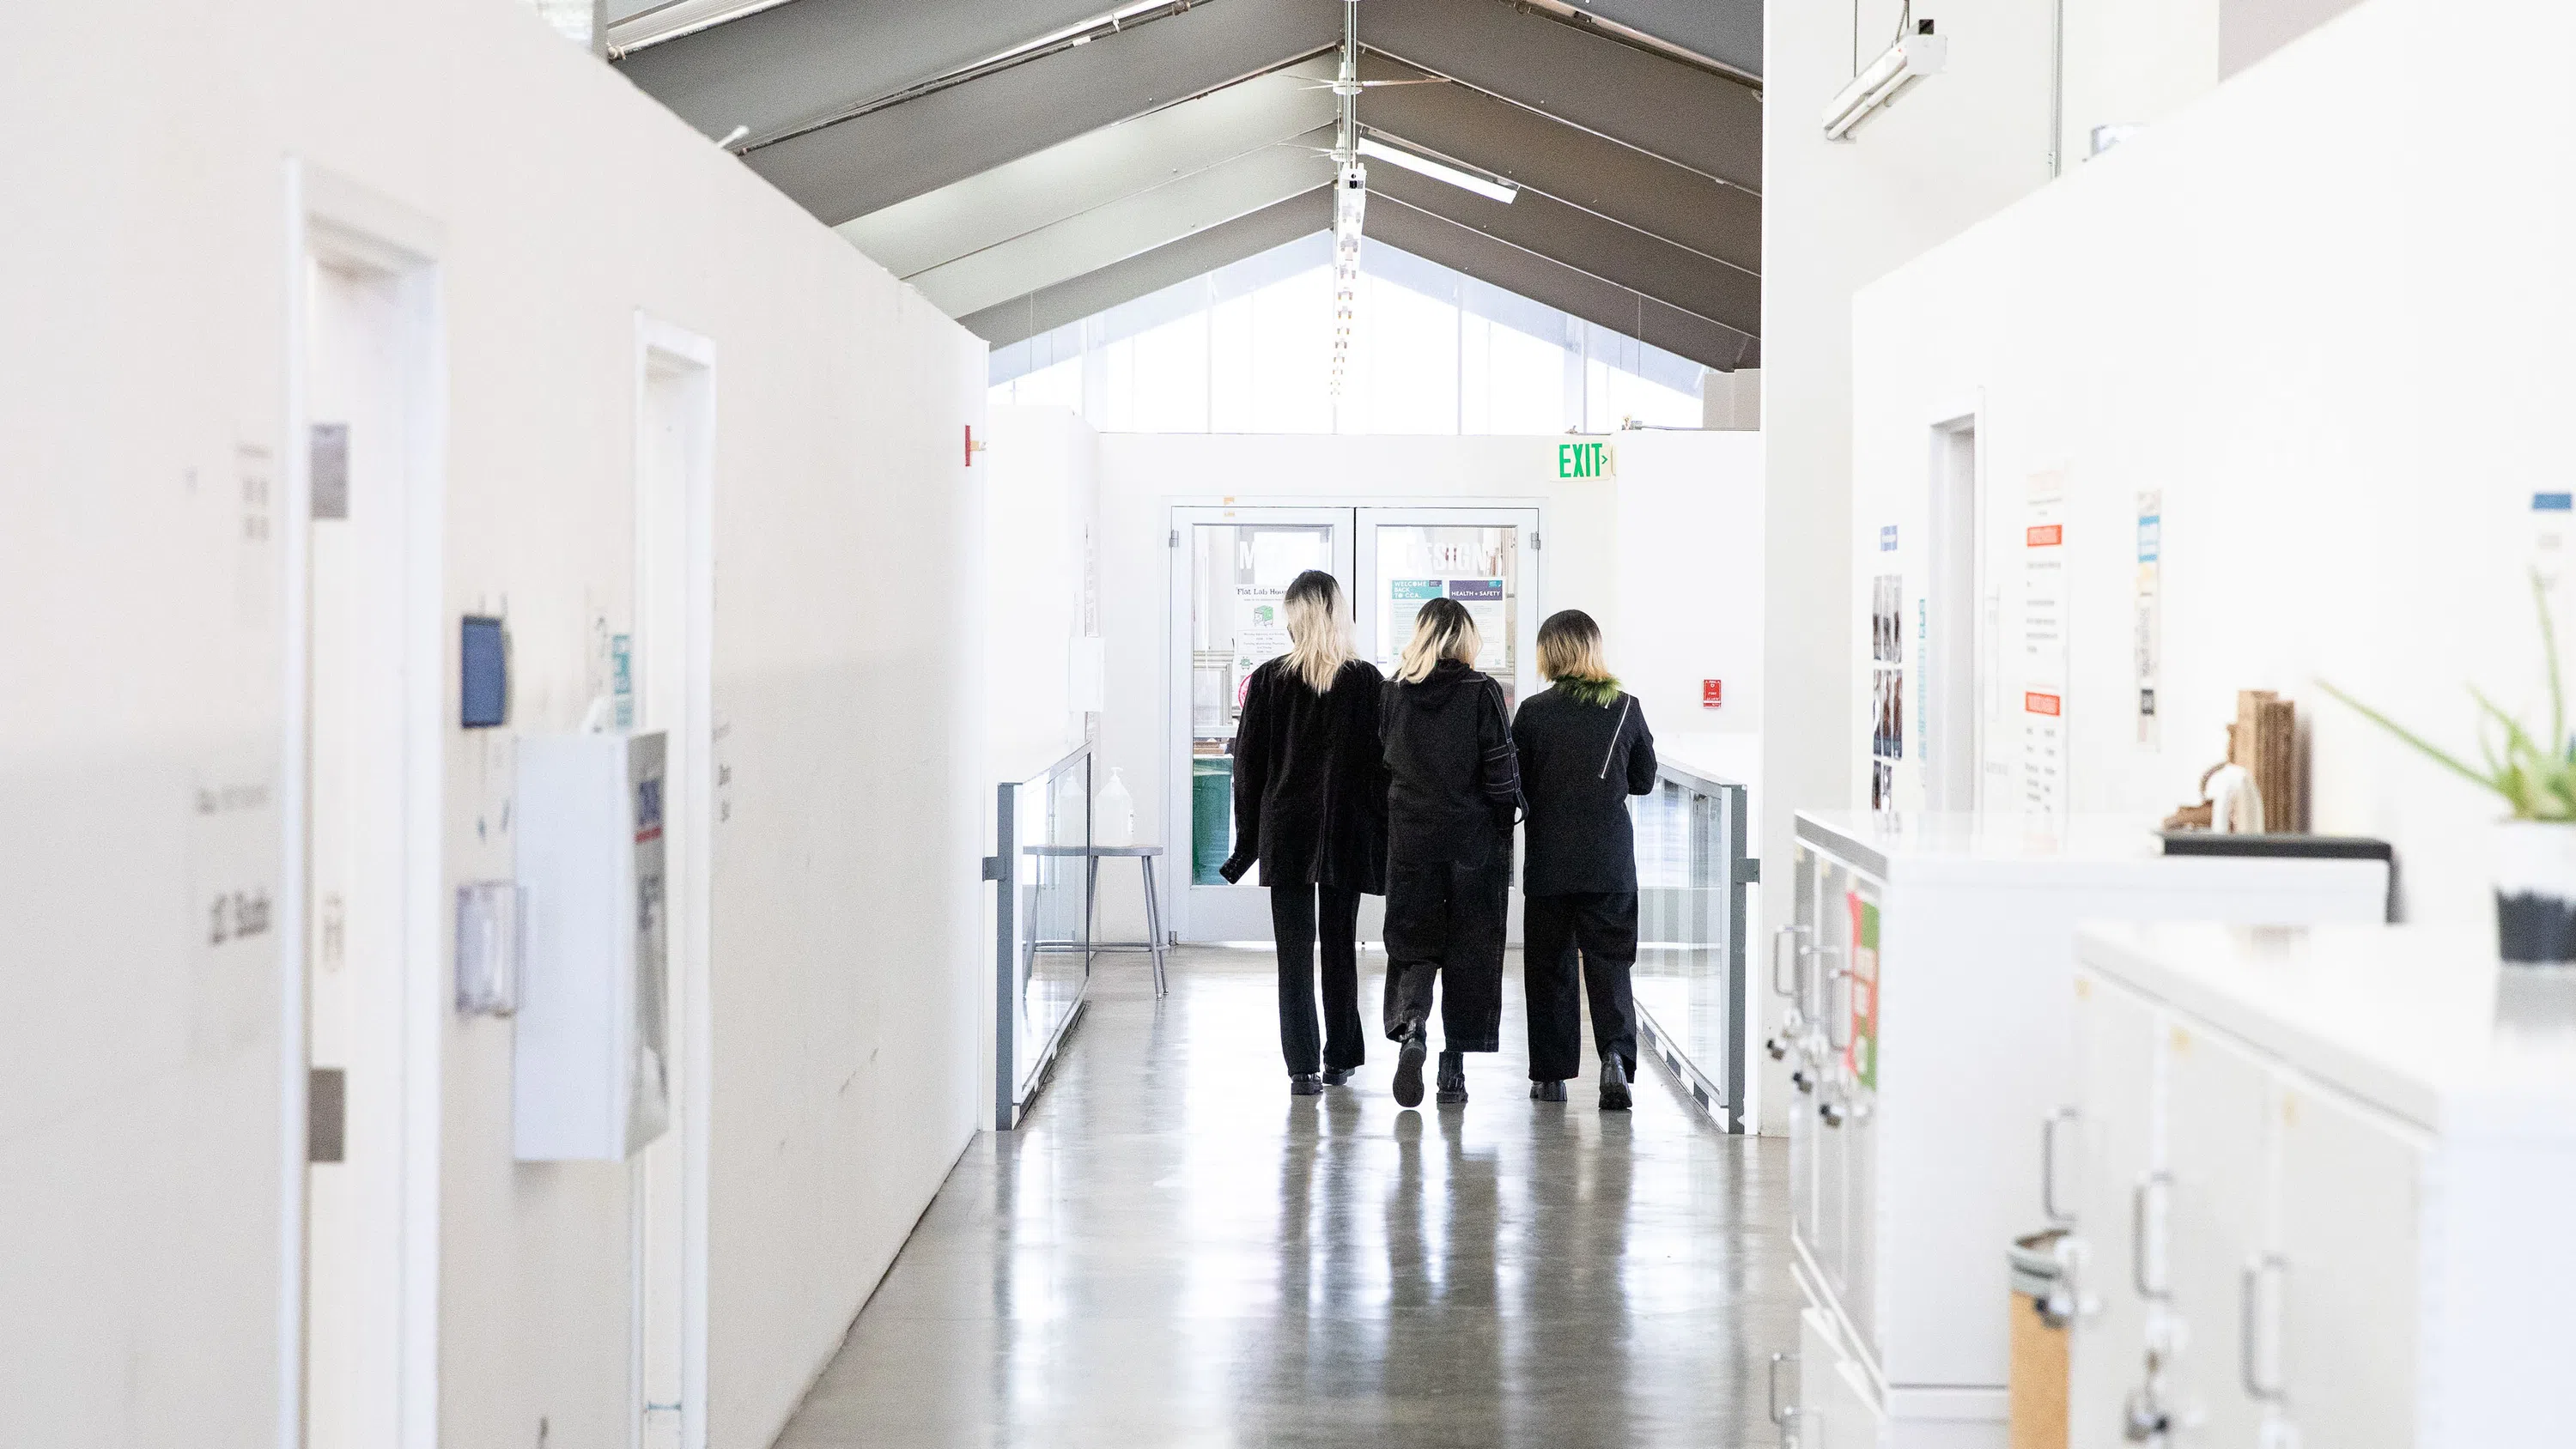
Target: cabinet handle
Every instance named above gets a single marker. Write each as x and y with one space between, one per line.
1826 1008
2150 1189
1793 937
2249 1326
1780 1415
2048 1164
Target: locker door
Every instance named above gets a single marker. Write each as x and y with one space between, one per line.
2346 1295
2220 1153
2114 1147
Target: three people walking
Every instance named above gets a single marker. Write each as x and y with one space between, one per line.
1346 782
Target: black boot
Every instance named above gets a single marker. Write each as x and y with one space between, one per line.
1453 1078
1337 1076
1305 1084
1614 1085
1408 1065
1547 1091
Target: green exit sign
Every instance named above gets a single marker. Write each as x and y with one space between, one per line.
1586 460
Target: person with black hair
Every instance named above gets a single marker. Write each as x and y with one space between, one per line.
1453 796
1310 806
1584 749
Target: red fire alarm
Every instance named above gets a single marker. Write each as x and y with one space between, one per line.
1712 693
970 445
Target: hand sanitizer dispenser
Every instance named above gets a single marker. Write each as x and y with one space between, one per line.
591 1081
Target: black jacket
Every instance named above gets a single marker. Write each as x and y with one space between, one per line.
1309 789
1453 781
1580 762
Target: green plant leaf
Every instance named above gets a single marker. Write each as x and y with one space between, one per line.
2437 754
2558 741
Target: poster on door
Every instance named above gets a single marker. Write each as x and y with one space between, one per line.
1484 600
1260 631
2044 796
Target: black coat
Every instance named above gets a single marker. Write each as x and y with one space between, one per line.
1580 762
1453 782
1309 791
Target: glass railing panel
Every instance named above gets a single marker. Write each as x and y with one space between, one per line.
1689 974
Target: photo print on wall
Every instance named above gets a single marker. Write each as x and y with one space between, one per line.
1886 687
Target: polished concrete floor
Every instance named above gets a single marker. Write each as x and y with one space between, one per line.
1174 1251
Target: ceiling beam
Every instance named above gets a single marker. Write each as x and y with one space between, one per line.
1678 112
1625 257
1574 166
870 161
1542 279
1090 171
1726 34
1195 255
794 63
1129 226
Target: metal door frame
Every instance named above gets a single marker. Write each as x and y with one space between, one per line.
1189 912
1530 518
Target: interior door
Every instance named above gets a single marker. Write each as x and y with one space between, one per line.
354 861
1231 571
1485 558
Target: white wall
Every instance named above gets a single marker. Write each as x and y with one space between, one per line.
141 1141
1952 150
1041 481
2211 311
1689 610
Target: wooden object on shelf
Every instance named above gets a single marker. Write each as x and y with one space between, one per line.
2264 740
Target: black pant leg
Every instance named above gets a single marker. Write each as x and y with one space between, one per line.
1417 935
1551 981
1337 933
1471 989
1607 928
1292 923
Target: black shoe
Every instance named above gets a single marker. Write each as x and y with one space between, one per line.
1614 1086
1305 1084
1408 1066
1453 1078
1547 1091
1337 1076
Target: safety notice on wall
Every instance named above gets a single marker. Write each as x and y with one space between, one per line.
2045 797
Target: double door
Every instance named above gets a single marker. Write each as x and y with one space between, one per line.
1230 575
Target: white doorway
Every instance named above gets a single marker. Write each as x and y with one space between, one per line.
1230 568
671 655
1960 630
364 1005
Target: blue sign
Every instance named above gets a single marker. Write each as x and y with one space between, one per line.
1887 539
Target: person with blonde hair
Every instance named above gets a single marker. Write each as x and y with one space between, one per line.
1453 795
1310 806
1584 749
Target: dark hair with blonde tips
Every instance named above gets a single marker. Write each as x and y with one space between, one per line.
1569 647
1443 630
1319 634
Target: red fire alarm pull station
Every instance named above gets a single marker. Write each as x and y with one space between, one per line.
1712 693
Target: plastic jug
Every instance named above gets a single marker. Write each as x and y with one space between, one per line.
1113 815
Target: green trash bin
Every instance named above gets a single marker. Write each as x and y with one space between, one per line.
1211 816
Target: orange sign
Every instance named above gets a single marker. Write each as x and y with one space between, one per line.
2045 535
2036 703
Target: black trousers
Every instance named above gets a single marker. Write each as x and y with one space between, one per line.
1301 918
1603 928
1444 928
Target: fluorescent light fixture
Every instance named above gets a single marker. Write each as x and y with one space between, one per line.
1884 79
1501 191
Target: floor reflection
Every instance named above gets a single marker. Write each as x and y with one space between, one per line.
1174 1251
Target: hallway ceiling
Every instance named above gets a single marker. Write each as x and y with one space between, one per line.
1027 163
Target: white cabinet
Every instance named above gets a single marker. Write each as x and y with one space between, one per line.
1928 961
589 1074
2324 1207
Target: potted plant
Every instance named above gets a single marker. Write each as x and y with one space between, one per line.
2535 887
